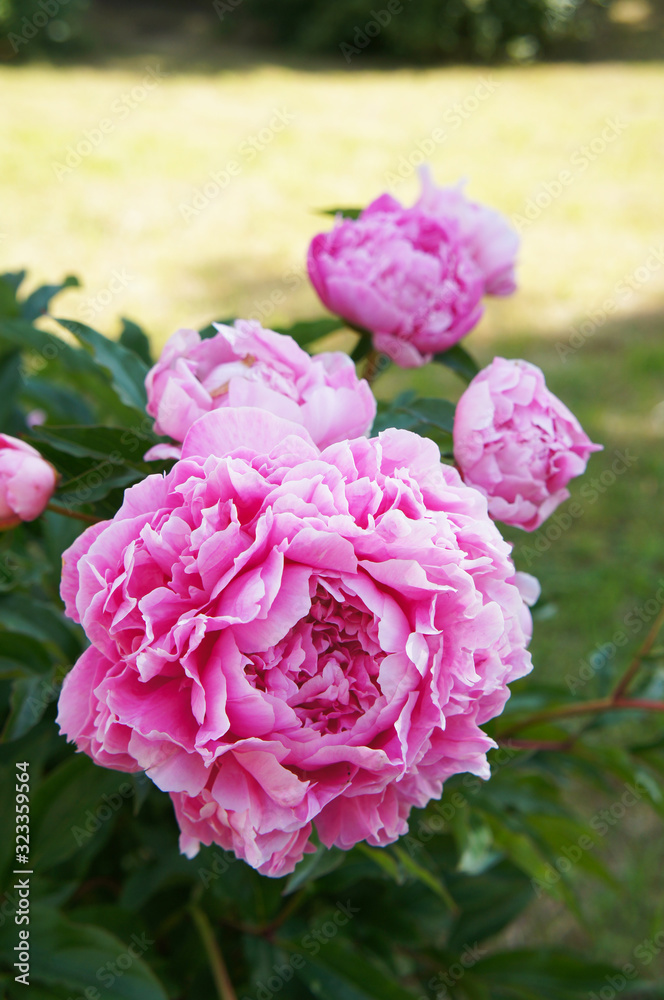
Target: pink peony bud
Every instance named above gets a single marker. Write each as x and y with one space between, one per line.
516 443
403 275
27 482
486 233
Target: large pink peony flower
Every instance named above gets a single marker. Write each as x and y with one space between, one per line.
403 275
517 443
283 636
492 242
245 365
27 482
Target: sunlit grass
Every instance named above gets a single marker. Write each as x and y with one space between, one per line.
120 210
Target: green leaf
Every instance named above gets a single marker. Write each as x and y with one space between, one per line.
8 304
339 972
24 651
426 877
19 333
432 418
71 806
126 370
10 383
30 698
118 445
489 902
135 339
63 406
314 866
459 360
347 213
211 331
38 302
13 279
75 956
307 331
39 620
548 973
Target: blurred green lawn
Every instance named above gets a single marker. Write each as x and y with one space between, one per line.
119 213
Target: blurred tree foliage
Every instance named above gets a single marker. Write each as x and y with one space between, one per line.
421 30
412 30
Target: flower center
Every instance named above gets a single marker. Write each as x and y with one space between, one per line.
326 667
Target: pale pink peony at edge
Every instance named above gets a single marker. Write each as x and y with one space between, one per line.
246 365
27 482
284 637
517 443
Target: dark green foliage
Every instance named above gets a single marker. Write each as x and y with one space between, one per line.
413 30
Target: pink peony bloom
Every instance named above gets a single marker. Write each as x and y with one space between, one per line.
403 275
517 444
283 636
245 365
27 482
486 233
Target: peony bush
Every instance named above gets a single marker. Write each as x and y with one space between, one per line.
285 630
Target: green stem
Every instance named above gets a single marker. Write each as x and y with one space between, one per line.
641 654
583 708
222 981
615 700
77 515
